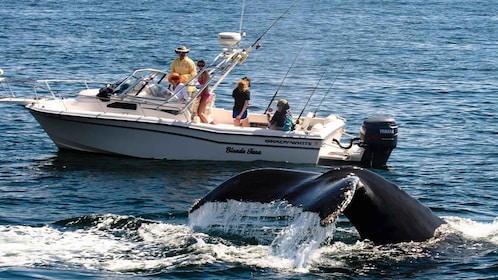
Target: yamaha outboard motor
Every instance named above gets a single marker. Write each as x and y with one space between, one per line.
378 136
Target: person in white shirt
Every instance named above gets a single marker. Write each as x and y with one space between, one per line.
179 90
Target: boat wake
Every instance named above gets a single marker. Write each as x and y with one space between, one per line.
291 241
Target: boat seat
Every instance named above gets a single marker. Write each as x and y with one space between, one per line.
152 90
307 121
317 127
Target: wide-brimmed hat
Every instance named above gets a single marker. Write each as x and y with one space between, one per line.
174 75
182 49
282 102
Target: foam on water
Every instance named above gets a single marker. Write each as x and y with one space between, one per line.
286 242
292 234
473 230
103 246
111 244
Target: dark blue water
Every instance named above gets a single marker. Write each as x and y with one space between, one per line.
433 65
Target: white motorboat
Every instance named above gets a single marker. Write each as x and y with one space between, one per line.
138 117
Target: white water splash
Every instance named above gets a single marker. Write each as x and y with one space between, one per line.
301 238
293 235
475 230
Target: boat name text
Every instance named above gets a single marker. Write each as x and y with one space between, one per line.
243 151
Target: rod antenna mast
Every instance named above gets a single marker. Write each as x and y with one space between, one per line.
242 16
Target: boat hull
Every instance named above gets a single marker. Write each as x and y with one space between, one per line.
155 138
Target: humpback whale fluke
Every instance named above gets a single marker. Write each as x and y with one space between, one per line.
378 209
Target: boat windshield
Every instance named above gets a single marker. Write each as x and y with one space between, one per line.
145 83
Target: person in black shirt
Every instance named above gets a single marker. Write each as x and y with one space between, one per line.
241 96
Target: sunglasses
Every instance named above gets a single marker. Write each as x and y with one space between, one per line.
201 65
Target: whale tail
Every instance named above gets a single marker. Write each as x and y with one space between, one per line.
378 209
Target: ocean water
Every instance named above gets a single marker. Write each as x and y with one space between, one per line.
433 65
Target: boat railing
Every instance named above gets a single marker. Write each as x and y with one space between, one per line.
28 90
6 88
58 88
218 70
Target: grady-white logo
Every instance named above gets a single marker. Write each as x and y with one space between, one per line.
287 142
249 151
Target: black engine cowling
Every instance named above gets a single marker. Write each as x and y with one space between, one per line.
378 136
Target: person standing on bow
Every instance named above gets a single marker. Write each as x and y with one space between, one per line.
241 96
282 119
184 66
204 96
178 89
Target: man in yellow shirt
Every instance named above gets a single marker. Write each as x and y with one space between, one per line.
184 66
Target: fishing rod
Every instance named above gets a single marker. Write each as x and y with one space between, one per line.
281 83
330 87
313 92
240 57
271 26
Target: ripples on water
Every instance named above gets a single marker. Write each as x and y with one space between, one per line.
433 65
